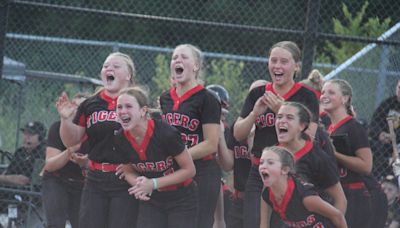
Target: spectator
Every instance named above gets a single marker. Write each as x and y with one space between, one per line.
391 188
379 133
19 172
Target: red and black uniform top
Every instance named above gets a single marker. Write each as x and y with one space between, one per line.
97 114
241 162
314 166
265 134
71 170
189 112
154 156
355 137
291 210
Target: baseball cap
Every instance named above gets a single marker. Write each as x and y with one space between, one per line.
35 127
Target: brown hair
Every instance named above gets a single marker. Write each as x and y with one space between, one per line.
138 93
304 115
286 158
314 80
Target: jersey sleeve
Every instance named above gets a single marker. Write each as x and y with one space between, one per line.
250 100
211 110
328 174
358 137
172 140
80 118
53 138
305 188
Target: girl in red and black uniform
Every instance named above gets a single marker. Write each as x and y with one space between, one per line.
311 163
63 178
196 113
105 199
352 150
156 152
260 107
294 200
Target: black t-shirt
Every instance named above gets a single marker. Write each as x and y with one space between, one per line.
265 134
314 166
357 138
292 210
154 157
241 162
98 116
70 170
190 111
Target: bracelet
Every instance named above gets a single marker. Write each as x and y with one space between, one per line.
155 183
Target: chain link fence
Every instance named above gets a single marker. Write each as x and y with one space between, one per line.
55 46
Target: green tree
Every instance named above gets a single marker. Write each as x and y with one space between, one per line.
353 25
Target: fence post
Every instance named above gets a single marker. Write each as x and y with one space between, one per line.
309 37
381 85
3 25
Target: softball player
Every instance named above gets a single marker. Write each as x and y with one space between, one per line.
311 163
260 107
105 199
294 200
196 113
353 153
156 152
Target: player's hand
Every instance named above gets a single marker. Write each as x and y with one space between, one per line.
260 107
65 107
142 189
81 159
274 102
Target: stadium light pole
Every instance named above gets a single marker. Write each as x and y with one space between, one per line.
4 4
310 36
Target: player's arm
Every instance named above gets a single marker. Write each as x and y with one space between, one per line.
225 155
361 163
210 143
56 159
317 205
186 171
339 199
265 214
243 126
71 134
144 186
126 172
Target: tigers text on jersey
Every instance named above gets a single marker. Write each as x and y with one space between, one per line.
265 124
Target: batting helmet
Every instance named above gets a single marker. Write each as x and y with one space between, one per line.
222 94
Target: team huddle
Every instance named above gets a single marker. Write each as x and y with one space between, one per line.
156 169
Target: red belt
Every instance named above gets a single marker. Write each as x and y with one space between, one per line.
238 194
354 185
104 167
176 186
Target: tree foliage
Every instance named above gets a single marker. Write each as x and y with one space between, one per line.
352 25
